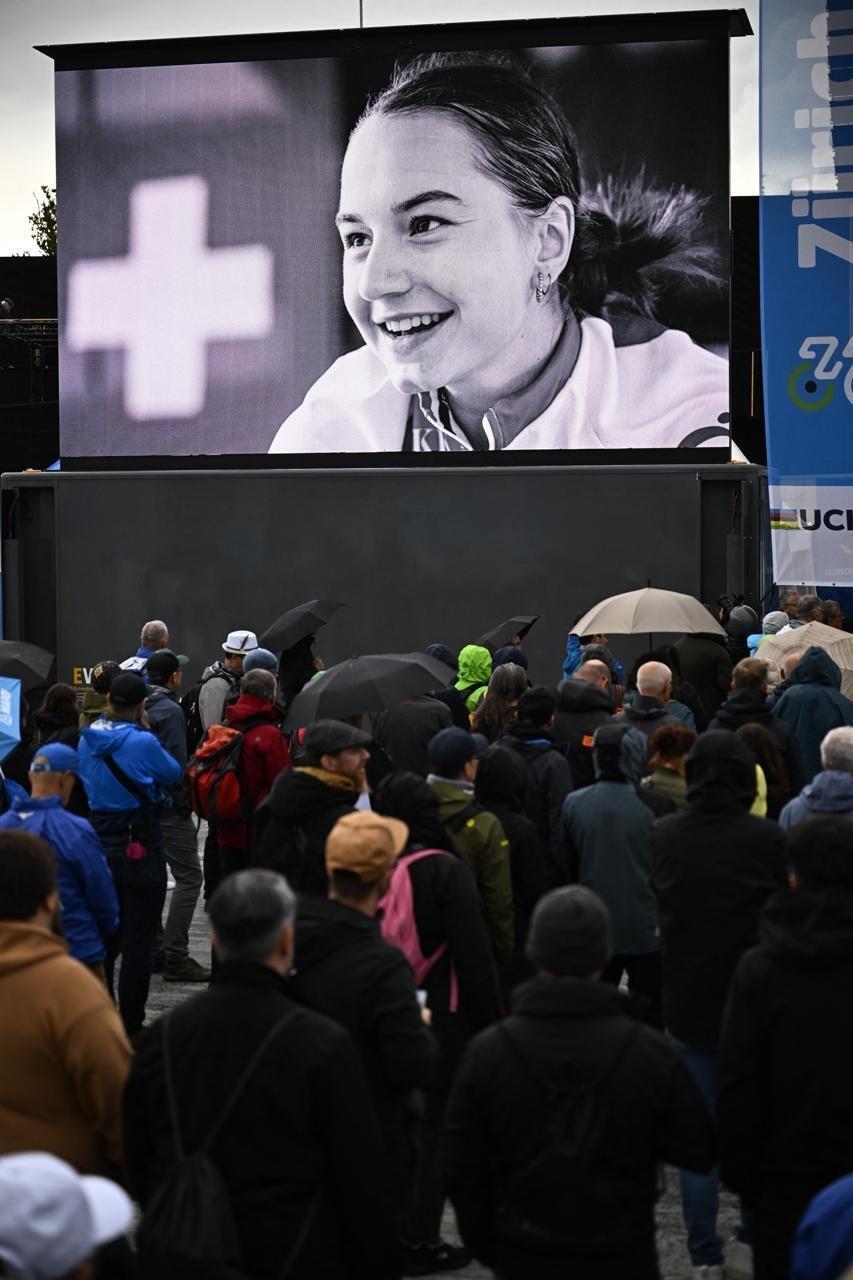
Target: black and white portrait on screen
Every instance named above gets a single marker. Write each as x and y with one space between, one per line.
514 250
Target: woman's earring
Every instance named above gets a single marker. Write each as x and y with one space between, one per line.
543 284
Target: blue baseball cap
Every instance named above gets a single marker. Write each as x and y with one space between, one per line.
451 749
55 757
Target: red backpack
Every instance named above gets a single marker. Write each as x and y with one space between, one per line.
397 923
215 778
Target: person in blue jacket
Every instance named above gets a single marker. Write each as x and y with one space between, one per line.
87 894
812 704
125 772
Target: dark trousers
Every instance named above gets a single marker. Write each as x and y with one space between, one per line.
211 863
140 903
232 860
644 980
424 1223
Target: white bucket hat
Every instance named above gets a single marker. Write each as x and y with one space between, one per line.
51 1218
240 642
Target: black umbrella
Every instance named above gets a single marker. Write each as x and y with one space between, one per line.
25 662
502 634
368 683
297 623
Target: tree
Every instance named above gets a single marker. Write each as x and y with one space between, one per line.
43 221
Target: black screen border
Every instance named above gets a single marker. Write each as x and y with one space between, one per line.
706 24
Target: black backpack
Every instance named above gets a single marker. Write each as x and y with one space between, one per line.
190 705
187 1231
561 1202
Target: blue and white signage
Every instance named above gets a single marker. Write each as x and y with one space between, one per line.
807 285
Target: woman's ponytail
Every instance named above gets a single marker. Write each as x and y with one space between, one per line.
634 243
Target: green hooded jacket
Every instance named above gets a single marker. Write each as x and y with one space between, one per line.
483 846
474 672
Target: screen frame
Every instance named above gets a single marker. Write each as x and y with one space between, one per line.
707 24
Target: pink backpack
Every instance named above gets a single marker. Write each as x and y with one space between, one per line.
398 926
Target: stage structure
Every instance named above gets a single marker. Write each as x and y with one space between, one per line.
419 557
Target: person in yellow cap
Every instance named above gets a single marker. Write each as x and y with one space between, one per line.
346 970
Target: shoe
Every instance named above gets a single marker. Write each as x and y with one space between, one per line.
426 1260
738 1264
186 970
158 960
710 1271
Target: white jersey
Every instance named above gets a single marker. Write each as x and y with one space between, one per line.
659 394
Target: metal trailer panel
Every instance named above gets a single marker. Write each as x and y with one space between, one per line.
419 556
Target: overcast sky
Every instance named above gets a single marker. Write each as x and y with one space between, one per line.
26 77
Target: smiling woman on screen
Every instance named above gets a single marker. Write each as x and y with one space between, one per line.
500 307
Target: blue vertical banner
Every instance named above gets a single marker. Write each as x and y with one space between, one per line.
10 715
806 96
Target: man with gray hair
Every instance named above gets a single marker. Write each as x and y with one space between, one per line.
808 609
831 790
154 636
647 710
560 1115
299 1149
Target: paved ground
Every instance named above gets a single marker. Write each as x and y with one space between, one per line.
671 1244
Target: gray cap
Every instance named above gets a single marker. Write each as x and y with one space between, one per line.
774 621
328 737
570 932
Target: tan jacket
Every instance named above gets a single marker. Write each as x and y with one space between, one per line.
64 1056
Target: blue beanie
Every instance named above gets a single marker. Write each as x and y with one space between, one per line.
260 660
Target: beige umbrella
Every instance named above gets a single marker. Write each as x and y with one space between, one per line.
838 644
648 610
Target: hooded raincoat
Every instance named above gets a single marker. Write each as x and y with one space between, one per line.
714 867
473 674
87 894
785 1107
607 828
812 704
829 792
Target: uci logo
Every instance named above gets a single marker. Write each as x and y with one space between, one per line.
834 518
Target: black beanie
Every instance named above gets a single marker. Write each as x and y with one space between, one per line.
570 933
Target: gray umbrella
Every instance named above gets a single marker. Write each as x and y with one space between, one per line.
372 682
648 610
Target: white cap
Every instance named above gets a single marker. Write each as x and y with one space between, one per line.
240 642
51 1218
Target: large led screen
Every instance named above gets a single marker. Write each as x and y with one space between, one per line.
397 251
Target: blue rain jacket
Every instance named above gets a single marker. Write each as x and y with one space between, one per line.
86 891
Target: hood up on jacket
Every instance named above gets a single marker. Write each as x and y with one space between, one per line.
829 792
816 667
809 928
23 945
720 773
501 778
619 753
475 666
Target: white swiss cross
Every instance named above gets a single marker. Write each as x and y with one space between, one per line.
168 298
